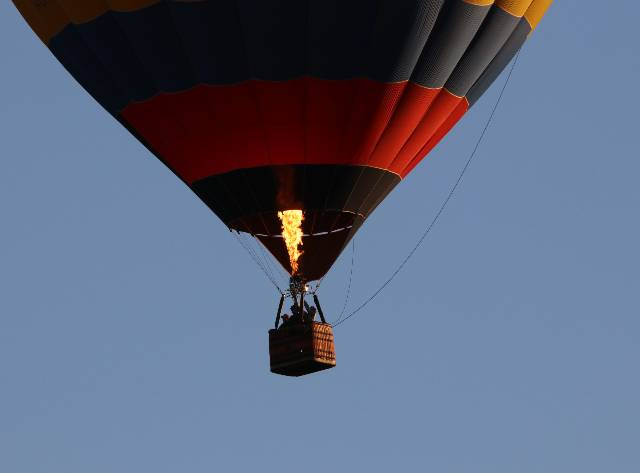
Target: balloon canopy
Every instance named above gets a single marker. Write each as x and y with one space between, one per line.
263 106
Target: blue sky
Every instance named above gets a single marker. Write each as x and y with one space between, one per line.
133 327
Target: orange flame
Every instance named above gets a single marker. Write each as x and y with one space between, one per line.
292 234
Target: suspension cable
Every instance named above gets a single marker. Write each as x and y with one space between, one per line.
276 269
346 297
257 249
255 259
444 203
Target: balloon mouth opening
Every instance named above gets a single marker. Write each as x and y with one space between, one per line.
323 235
307 235
321 249
314 223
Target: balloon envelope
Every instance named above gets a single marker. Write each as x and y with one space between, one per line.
268 105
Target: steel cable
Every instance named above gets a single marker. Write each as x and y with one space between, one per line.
444 203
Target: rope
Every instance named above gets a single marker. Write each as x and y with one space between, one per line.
346 298
317 286
256 260
255 247
273 268
444 203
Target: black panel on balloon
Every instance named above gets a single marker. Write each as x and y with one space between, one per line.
336 200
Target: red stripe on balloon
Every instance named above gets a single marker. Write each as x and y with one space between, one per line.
444 129
410 110
210 130
435 117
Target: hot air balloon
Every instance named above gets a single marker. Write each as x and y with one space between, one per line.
290 119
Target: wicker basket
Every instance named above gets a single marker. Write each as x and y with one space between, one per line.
301 349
